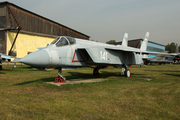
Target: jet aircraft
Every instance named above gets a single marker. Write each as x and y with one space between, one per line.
160 59
3 57
163 58
68 52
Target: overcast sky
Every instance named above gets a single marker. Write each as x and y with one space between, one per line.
105 20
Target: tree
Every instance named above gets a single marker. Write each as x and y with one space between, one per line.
171 47
94 40
111 41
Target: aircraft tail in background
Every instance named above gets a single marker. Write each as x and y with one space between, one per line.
125 40
144 44
177 48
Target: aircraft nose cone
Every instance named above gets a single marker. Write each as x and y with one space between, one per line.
39 58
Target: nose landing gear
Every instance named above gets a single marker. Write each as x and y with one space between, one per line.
60 78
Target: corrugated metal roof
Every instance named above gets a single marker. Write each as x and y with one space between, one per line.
42 17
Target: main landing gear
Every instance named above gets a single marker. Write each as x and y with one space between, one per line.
61 79
96 70
125 72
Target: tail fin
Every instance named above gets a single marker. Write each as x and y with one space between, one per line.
144 44
124 42
177 48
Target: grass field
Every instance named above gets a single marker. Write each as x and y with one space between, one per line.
25 95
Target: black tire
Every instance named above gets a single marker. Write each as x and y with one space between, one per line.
159 63
146 63
96 71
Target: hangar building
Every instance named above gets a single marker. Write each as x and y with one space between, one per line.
22 31
151 46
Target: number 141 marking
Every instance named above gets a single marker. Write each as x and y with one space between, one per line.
103 55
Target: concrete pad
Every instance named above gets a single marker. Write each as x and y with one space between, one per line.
78 81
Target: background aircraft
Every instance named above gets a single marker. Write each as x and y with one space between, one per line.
3 57
68 52
163 58
160 59
176 58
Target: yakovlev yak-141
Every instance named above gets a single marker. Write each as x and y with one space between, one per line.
68 52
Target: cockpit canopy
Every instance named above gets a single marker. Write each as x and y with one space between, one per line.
63 40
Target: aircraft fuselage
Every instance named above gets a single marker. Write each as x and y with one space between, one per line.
73 52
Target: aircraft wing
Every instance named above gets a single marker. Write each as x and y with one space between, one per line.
5 56
125 49
108 55
9 57
158 61
129 49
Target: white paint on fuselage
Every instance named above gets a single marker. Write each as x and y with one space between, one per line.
66 53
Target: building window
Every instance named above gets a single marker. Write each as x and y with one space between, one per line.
2 21
13 53
1 35
154 49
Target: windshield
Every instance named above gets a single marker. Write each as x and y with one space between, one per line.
54 41
62 42
71 40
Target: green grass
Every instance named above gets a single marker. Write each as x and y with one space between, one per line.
25 95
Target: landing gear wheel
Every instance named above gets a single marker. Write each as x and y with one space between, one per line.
127 73
96 71
145 62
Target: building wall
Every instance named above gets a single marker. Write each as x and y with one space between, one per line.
3 11
151 46
35 23
154 47
34 28
26 43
